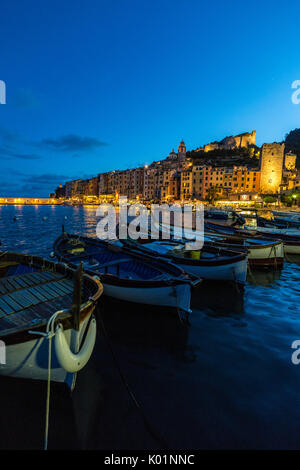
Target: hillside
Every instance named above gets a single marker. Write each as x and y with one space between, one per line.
227 157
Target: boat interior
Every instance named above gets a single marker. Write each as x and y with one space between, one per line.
29 295
178 249
101 260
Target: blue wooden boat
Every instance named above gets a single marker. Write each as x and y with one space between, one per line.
125 275
278 222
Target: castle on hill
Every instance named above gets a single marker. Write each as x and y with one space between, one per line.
230 143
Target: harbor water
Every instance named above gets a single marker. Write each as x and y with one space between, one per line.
224 382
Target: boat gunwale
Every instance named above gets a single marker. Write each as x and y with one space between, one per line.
236 256
107 278
39 262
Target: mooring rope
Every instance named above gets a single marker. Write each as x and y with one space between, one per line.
154 434
48 335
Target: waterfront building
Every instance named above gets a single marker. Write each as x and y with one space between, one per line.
180 177
92 186
60 191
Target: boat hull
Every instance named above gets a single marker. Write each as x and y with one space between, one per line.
266 255
29 359
259 254
290 246
170 287
174 296
236 271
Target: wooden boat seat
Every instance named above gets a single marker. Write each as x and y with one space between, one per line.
17 282
40 289
33 316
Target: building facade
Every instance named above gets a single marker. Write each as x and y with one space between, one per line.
271 167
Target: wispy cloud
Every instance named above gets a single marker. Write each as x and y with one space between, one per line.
72 143
7 154
12 145
9 136
47 178
52 178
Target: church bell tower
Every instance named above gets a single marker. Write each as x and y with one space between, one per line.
182 150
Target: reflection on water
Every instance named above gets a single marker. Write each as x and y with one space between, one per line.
219 299
226 381
30 232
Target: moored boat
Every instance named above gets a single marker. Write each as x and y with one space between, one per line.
230 218
295 215
125 275
209 262
278 222
40 299
289 237
262 251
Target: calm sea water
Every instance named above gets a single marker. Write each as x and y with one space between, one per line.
227 381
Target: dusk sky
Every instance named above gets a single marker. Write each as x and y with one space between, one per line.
94 86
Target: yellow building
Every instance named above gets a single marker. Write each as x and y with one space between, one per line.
271 166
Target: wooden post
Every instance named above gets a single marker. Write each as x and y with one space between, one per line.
77 296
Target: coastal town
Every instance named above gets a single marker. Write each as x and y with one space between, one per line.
233 170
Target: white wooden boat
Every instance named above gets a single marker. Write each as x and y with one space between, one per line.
39 298
209 263
127 276
262 252
289 237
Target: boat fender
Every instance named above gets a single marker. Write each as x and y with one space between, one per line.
68 360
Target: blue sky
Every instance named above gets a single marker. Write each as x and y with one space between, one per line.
99 85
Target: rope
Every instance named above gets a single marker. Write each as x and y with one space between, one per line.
235 281
152 432
177 307
273 249
48 335
251 273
